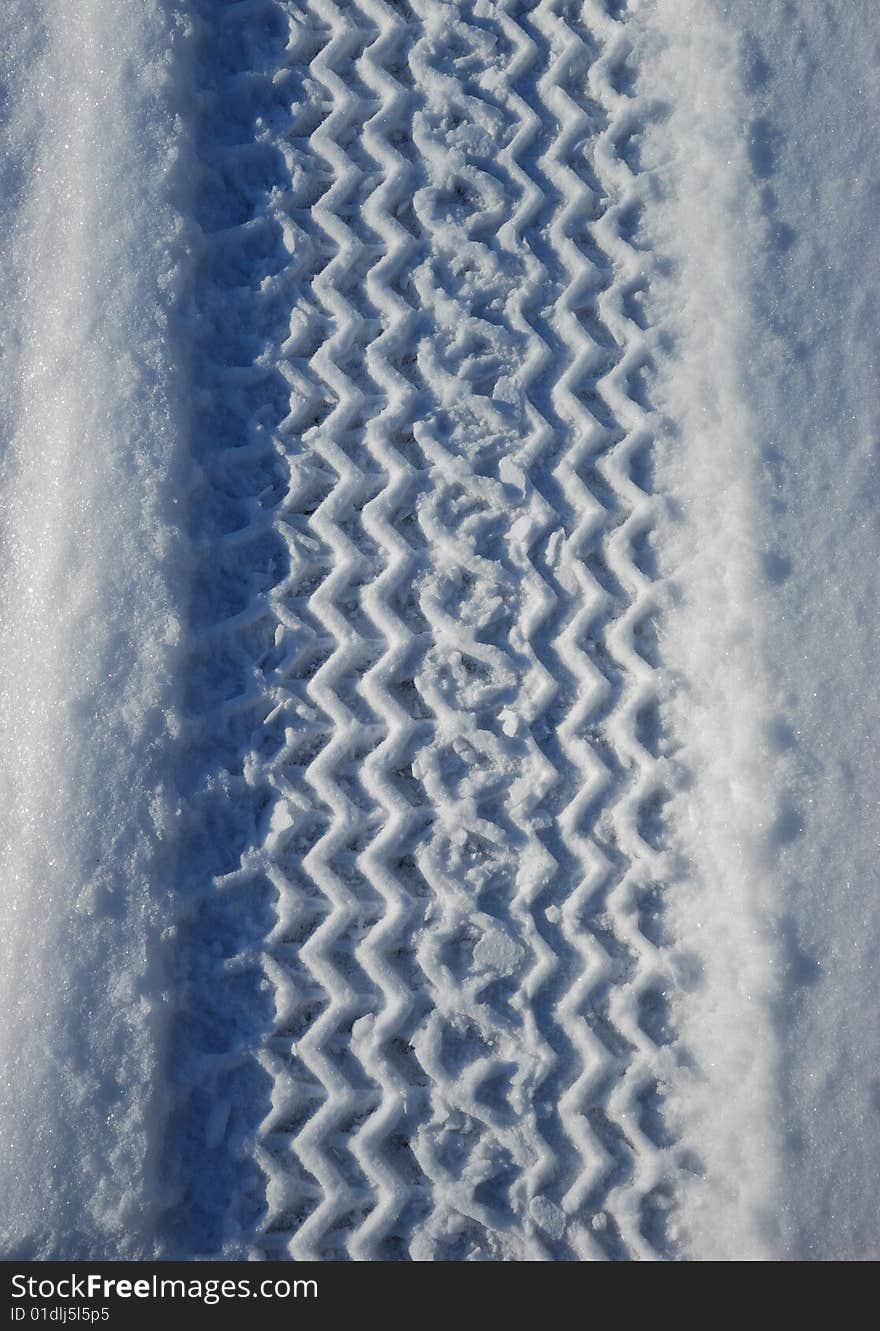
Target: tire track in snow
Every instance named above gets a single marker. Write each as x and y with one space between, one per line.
243 484
639 1009
569 951
421 443
347 1193
621 781
476 1144
388 951
579 642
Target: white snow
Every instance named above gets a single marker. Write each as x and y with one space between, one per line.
92 424
767 179
758 168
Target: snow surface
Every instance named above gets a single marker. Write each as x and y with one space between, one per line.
157 232
93 430
767 174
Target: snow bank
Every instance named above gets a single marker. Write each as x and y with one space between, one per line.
765 171
90 429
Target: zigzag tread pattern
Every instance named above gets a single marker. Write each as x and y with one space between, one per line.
426 773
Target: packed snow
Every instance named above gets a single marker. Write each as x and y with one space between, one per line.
439 545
